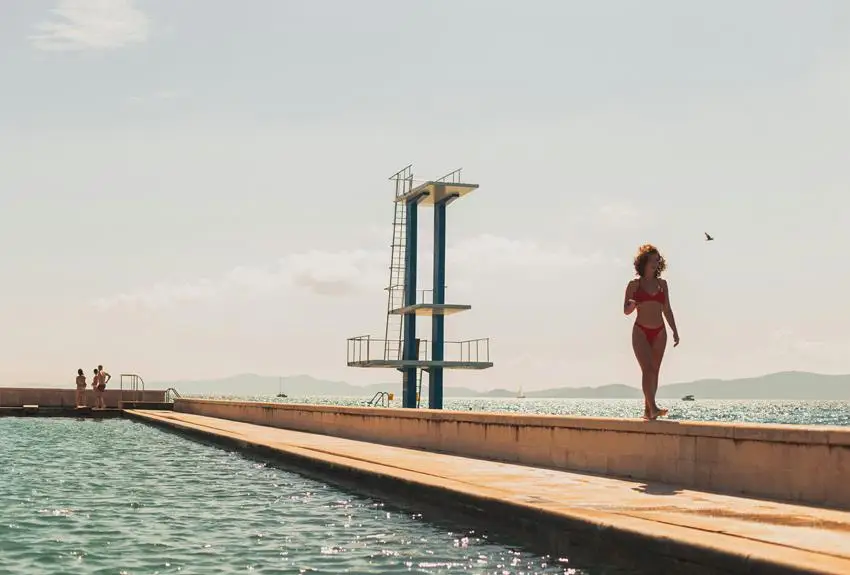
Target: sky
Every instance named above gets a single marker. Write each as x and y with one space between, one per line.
198 189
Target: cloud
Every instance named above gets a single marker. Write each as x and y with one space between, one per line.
489 251
343 273
321 273
789 341
619 214
91 25
160 96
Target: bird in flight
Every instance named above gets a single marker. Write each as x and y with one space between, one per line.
708 238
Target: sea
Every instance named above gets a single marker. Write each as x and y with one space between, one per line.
794 412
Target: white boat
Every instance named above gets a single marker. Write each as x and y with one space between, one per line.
519 393
688 398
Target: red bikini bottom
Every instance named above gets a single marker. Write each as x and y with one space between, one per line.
650 332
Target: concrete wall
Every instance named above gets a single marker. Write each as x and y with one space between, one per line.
796 463
62 397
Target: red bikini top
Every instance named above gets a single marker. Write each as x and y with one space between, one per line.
642 295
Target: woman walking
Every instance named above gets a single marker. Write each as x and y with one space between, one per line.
649 294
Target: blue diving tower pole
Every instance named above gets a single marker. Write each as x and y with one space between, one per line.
410 349
438 334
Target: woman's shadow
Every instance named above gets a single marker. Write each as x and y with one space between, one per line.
657 489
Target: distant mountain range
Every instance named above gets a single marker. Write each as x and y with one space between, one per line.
784 385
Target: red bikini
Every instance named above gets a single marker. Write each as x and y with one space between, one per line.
642 296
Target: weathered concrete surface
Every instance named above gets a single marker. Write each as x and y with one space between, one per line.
726 533
66 397
772 461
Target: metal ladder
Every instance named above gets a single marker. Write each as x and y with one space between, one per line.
419 387
395 296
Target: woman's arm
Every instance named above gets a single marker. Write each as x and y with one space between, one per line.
668 314
629 304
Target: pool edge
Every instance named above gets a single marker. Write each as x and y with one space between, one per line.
560 531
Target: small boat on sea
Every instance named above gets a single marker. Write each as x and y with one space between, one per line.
688 398
520 394
280 388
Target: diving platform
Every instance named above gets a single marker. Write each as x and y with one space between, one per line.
432 309
425 306
423 364
435 192
366 351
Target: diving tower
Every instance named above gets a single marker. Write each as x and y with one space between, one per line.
400 348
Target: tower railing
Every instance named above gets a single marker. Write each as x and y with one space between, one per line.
452 177
470 349
134 384
426 296
365 348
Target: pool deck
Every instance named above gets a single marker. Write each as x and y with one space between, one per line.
696 530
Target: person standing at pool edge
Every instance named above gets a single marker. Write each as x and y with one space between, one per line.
81 388
104 375
650 296
99 386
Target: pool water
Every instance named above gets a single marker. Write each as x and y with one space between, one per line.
118 496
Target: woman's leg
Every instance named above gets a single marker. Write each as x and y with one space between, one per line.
643 353
658 348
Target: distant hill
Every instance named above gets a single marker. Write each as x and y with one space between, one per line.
613 391
784 385
295 386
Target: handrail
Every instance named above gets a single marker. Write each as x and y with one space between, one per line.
171 394
135 388
381 398
360 349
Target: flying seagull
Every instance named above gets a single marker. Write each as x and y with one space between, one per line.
708 238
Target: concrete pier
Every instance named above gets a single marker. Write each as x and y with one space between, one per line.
800 464
681 529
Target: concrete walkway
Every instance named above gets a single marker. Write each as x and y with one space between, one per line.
744 535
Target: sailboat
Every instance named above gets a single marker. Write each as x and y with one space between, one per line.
520 394
280 388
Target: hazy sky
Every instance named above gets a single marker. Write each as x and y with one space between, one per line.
199 188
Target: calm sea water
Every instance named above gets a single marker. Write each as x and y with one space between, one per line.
116 496
754 411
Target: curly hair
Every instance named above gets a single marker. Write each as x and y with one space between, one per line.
642 258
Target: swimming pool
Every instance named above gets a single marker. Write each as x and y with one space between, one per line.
118 496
